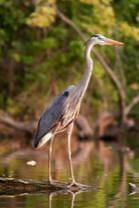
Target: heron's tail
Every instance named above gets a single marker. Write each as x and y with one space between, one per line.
41 141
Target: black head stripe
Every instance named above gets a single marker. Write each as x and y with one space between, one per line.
66 93
95 36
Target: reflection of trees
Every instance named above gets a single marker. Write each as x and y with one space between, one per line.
105 156
80 153
121 192
120 196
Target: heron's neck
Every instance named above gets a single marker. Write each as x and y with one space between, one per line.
83 84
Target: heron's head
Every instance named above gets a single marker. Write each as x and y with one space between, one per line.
102 40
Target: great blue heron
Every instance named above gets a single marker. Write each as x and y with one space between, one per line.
64 108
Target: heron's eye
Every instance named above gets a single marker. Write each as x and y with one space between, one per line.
99 38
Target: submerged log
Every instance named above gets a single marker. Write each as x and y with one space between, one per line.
18 186
12 186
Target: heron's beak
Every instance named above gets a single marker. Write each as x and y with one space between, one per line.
113 42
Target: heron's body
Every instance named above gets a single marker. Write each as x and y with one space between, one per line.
58 111
64 108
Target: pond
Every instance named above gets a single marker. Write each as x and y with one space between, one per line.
109 167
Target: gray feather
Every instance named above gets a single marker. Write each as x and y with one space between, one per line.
52 115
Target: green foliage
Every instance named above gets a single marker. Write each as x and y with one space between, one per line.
42 17
38 49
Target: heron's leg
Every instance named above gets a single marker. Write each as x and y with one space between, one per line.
73 183
50 154
69 132
49 160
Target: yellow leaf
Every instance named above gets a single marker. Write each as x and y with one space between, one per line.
134 86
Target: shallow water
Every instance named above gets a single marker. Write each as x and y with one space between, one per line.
108 167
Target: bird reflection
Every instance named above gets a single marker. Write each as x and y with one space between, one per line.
72 193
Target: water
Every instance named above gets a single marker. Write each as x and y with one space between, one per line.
108 167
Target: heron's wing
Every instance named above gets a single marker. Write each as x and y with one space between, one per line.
52 115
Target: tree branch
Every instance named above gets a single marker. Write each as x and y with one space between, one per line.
21 126
69 22
132 104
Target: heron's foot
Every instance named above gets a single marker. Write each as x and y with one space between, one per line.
51 182
78 185
54 182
